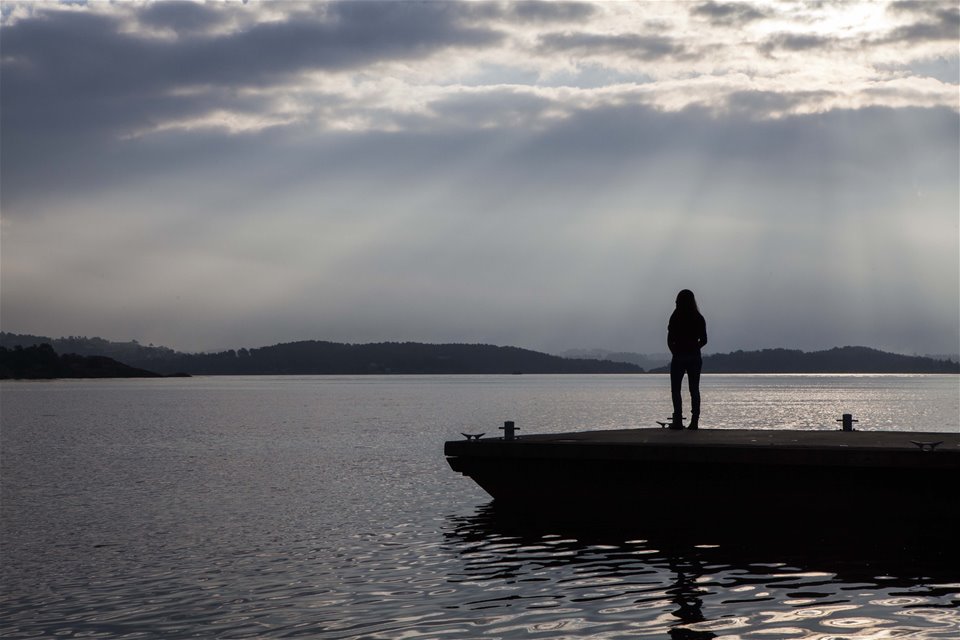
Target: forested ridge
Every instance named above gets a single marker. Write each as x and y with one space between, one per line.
41 362
836 360
314 357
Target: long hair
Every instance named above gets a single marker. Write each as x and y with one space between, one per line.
687 303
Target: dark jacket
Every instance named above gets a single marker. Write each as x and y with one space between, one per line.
686 333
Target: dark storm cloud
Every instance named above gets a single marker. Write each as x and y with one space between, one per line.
728 13
72 81
90 50
938 22
646 47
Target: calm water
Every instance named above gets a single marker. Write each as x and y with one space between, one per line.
323 507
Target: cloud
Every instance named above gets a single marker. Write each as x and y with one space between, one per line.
729 13
75 81
940 22
798 42
532 11
313 169
491 107
462 223
444 234
646 47
91 53
761 104
182 18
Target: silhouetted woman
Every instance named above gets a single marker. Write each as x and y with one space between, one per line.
686 335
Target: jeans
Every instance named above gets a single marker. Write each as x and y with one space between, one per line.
689 364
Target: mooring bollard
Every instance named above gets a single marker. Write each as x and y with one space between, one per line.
847 421
509 430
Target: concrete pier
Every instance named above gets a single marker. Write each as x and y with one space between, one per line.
833 471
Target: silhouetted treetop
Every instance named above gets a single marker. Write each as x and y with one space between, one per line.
42 362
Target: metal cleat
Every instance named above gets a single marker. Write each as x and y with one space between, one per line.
927 446
472 436
670 424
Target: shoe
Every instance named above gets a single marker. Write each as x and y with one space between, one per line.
693 425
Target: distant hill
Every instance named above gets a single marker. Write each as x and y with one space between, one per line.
127 352
318 358
643 360
313 357
321 358
42 362
836 360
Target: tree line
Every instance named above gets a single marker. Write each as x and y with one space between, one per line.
836 360
41 362
312 357
328 358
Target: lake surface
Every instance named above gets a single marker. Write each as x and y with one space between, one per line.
270 507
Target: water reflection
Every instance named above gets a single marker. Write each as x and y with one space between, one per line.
712 579
687 596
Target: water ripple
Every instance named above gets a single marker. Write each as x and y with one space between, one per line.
234 516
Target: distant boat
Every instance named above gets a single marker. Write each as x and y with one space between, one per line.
880 474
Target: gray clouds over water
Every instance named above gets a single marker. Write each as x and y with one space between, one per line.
546 175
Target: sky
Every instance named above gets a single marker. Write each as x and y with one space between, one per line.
545 175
